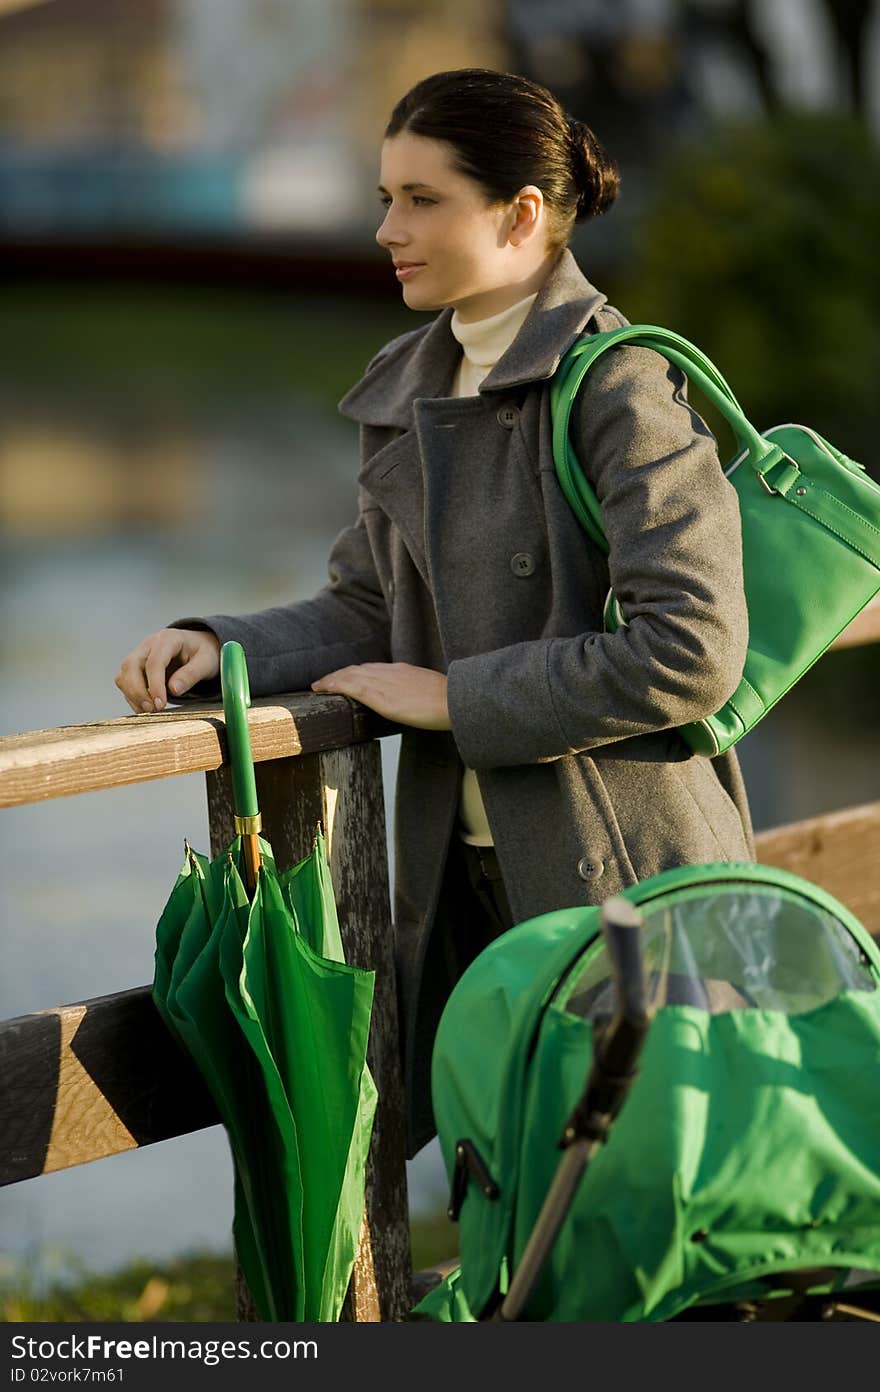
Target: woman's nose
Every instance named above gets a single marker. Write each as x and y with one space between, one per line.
389 233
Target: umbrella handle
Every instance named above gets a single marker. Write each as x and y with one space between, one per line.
236 700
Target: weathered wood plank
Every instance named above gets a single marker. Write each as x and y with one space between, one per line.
355 825
835 851
342 789
91 1079
73 759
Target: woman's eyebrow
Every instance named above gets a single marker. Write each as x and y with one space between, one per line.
407 188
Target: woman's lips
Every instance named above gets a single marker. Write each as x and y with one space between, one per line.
404 272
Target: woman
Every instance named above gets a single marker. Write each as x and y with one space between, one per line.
540 763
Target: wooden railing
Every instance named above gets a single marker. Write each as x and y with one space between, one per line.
91 1079
82 1081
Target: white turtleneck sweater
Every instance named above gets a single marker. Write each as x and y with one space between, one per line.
483 343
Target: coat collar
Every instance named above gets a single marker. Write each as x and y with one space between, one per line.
422 363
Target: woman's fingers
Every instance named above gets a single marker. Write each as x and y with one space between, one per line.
343 679
190 655
397 690
131 678
155 666
199 661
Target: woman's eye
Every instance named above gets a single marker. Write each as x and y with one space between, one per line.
386 202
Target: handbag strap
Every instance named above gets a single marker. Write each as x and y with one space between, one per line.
762 454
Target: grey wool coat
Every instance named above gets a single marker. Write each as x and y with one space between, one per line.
465 558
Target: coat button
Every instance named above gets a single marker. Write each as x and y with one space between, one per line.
522 563
508 416
590 869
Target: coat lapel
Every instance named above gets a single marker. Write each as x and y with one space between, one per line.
393 476
421 364
408 389
417 364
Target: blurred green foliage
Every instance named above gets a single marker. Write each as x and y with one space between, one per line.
184 350
434 1239
197 1287
759 242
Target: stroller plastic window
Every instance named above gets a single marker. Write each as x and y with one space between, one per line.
730 947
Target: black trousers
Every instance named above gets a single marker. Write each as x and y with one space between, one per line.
473 912
482 894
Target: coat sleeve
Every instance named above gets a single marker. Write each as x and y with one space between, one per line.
674 530
288 646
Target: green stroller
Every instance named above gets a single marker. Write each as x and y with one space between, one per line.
723 1160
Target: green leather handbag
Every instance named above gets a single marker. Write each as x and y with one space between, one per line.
810 531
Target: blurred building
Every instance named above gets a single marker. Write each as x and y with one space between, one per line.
246 118
645 70
174 116
223 116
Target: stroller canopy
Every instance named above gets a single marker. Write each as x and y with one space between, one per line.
749 1144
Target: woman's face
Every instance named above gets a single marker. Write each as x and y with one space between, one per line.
469 255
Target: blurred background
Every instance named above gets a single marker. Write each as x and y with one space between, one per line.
190 283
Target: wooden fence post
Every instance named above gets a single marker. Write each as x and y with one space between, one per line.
342 789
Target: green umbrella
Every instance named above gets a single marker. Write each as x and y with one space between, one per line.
251 979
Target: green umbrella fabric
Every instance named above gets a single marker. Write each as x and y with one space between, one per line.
258 992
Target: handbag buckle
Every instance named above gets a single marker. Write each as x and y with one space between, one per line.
792 474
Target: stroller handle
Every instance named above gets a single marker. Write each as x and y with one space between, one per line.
621 927
616 1048
616 1043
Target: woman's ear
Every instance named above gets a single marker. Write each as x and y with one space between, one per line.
528 217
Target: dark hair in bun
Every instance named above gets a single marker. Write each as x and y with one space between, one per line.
505 131
595 174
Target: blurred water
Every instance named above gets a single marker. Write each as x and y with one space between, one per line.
82 883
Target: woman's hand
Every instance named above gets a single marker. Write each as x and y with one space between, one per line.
192 655
410 695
